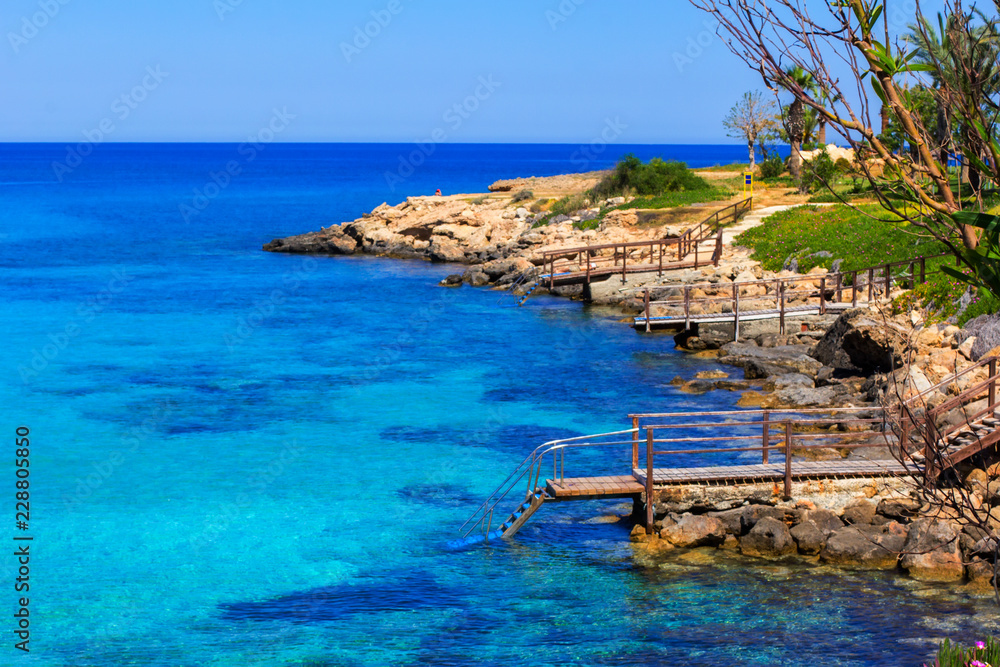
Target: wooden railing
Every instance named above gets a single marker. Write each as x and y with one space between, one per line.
914 418
784 432
657 255
763 297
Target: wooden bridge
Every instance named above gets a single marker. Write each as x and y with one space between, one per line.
651 450
779 298
699 246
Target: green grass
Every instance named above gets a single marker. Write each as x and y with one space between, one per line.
848 234
861 242
682 198
738 168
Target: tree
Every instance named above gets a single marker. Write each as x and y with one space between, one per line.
751 119
799 82
852 71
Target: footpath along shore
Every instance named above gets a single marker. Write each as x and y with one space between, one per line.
861 358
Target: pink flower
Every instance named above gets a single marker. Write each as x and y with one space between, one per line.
980 645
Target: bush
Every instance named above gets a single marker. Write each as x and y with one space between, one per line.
653 179
523 195
772 167
818 172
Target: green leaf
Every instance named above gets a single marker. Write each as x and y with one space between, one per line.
990 223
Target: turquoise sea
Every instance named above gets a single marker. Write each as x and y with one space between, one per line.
240 458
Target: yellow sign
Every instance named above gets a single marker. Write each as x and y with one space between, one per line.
747 184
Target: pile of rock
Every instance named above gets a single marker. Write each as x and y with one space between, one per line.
889 535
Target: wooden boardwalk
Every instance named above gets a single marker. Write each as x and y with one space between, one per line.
778 298
926 451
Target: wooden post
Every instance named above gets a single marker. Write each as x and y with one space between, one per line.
552 272
588 267
687 307
822 295
736 311
624 263
647 310
993 382
696 248
871 285
717 256
766 437
649 481
839 287
781 317
904 433
923 270
662 248
888 279
854 290
913 275
635 443
788 460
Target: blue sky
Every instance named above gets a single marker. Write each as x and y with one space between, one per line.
216 70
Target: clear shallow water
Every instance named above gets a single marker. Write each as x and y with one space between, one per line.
243 458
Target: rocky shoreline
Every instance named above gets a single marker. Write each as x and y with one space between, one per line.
860 359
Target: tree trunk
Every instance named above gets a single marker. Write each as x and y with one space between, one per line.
795 164
821 133
753 155
796 127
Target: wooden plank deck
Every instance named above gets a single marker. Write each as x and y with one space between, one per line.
745 316
772 472
587 488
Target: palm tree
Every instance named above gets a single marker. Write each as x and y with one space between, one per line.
797 79
961 59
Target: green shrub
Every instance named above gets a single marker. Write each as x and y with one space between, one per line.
481 200
818 173
772 167
652 179
523 195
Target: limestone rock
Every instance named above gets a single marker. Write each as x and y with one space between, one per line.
826 520
898 508
859 512
809 538
769 538
443 250
859 341
695 531
761 363
932 552
328 242
865 547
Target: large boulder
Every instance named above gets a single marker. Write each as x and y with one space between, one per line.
769 538
865 547
863 343
327 242
859 512
444 250
695 531
826 520
809 538
986 331
932 552
759 363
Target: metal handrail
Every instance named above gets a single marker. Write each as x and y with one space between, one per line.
526 466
